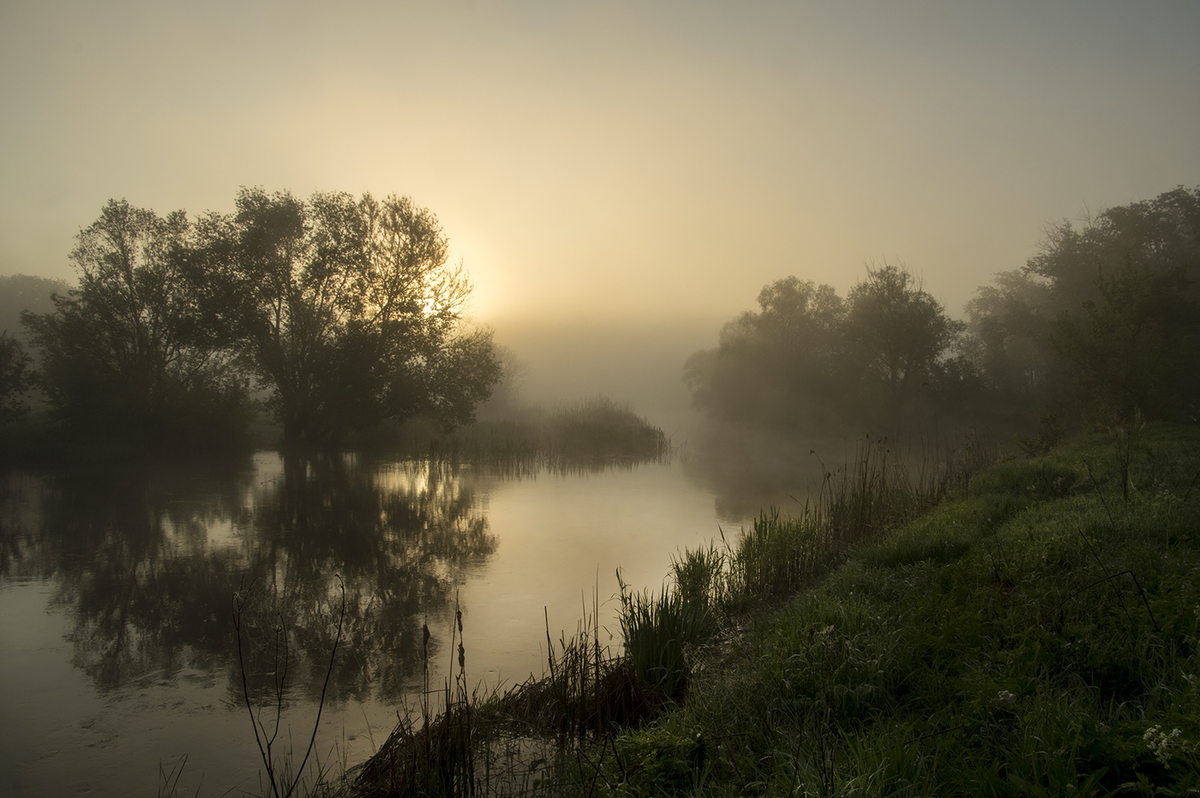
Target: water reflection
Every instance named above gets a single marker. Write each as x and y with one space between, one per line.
749 471
145 564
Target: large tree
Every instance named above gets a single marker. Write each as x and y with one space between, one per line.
1104 319
779 367
346 310
128 355
811 362
902 338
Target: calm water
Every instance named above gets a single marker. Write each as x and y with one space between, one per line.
118 660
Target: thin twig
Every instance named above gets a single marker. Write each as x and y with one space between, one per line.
1137 584
237 627
328 673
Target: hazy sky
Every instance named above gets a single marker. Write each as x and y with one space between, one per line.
642 162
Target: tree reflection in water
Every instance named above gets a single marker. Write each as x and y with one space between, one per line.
146 562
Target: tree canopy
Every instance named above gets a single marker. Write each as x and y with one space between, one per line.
128 355
1103 320
1102 323
812 361
342 312
346 310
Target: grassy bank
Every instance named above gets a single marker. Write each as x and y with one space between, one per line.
1030 630
1034 634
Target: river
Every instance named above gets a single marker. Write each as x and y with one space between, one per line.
120 669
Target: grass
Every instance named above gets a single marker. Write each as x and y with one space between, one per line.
1034 634
524 741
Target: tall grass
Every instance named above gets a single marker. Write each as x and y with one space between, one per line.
854 504
1036 634
522 741
659 630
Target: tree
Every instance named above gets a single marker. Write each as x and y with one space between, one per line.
128 354
346 311
812 362
901 337
14 379
779 367
1138 348
1103 318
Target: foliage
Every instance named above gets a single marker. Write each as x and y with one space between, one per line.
586 436
658 631
810 361
1137 347
1103 320
14 378
776 366
900 333
128 355
346 310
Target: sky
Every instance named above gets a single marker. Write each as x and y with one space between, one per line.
618 178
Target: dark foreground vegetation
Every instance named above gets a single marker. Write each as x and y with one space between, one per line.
1035 632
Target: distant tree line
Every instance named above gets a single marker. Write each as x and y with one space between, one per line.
338 314
1102 323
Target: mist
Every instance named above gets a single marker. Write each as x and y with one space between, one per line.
459 308
638 362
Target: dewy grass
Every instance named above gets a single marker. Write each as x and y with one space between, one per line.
997 645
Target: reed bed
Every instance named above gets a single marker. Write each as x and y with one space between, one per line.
523 741
588 436
854 504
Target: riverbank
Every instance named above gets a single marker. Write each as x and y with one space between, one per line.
1035 632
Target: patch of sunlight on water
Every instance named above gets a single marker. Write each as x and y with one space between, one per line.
561 542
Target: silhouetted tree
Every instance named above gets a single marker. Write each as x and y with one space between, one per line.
1138 347
812 362
1008 334
128 354
901 337
346 310
780 367
1103 319
14 379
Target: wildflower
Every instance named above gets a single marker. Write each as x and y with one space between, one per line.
1160 743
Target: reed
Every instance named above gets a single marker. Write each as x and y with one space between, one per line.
587 436
516 742
659 630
